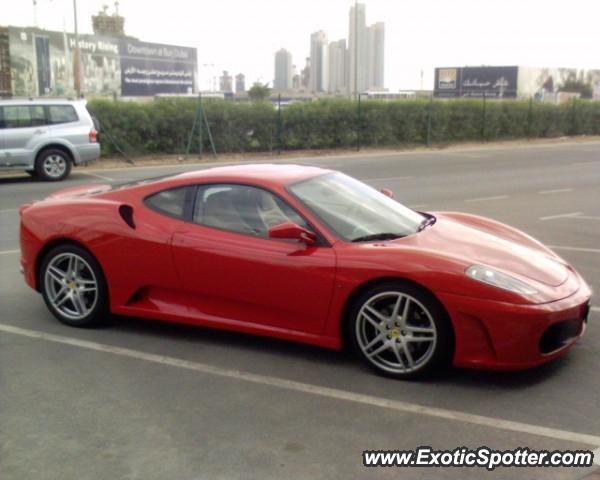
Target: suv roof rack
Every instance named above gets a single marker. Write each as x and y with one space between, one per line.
70 99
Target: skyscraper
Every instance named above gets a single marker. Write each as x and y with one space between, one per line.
283 70
358 78
240 83
305 75
319 66
225 82
376 55
338 69
366 47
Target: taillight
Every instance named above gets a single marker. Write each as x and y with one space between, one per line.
93 135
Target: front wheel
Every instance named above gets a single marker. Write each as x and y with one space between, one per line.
73 286
401 331
53 165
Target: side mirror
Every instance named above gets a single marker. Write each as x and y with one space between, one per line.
387 192
292 231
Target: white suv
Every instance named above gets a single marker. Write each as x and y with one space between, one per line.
46 137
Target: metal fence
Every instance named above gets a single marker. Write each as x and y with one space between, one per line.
188 126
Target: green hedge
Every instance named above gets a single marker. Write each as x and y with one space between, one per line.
163 126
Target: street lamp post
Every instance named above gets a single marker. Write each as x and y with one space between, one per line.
209 67
76 55
356 49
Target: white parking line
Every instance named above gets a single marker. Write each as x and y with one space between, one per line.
575 249
311 389
557 190
99 176
465 155
9 252
561 215
486 199
7 210
595 309
580 164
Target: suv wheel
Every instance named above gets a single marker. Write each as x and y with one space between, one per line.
53 165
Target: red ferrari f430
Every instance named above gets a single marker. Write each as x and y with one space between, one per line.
309 255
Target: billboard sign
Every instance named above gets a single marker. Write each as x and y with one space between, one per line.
493 82
41 63
149 69
42 51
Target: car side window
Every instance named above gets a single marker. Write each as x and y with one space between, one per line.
61 114
169 202
22 116
38 116
17 116
242 209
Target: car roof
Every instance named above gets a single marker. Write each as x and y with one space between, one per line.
262 173
39 101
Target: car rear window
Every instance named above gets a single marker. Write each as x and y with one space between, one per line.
61 114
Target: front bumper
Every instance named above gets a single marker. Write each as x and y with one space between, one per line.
503 336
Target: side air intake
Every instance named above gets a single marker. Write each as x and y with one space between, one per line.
126 212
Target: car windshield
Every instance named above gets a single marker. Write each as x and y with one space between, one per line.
355 211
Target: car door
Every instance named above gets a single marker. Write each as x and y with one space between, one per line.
25 128
234 271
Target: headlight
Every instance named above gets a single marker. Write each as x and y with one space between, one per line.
498 279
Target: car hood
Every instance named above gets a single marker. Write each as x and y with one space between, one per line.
475 240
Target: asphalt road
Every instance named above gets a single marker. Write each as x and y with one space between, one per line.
145 400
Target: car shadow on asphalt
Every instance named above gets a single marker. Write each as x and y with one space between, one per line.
16 179
509 380
192 334
241 342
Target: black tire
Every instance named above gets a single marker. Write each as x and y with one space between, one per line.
80 287
424 312
53 165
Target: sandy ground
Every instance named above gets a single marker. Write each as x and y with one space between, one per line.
120 161
156 160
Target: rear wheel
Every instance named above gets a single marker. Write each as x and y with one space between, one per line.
73 286
401 331
53 165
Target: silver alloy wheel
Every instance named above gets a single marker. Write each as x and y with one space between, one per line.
55 165
71 286
396 332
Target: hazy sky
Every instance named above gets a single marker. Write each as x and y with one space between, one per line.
242 36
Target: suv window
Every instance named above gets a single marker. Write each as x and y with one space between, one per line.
170 202
23 116
61 114
242 209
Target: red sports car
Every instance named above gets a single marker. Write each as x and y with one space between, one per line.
305 254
